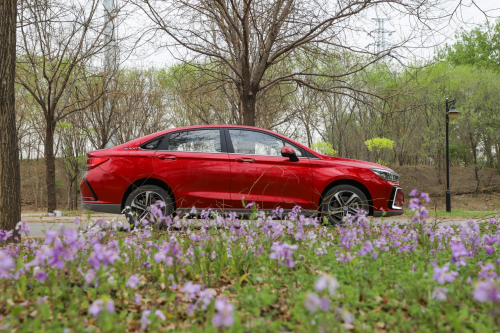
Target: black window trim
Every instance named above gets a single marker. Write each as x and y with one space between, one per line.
149 141
164 145
231 148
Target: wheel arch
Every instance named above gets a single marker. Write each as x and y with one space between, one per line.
147 181
352 182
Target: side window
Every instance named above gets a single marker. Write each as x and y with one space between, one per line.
153 144
207 141
255 143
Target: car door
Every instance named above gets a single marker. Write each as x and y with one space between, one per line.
260 174
195 164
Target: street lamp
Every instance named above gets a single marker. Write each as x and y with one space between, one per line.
451 113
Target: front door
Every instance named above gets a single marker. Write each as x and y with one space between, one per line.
196 167
260 174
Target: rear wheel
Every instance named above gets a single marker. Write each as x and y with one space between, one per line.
142 198
341 200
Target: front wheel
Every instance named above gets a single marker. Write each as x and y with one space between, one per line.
142 198
341 200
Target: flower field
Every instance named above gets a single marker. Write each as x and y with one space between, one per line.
287 274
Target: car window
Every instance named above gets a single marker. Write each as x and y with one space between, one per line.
153 144
207 141
257 143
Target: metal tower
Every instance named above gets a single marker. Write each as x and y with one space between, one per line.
380 44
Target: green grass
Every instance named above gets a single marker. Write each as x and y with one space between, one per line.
477 215
386 283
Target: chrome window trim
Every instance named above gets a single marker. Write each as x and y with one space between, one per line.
204 152
265 155
394 199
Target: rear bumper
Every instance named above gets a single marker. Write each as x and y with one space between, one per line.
102 208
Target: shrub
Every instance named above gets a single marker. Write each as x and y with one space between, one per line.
324 148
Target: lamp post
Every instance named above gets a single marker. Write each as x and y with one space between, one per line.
451 113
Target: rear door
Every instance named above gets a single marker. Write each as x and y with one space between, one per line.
195 164
260 174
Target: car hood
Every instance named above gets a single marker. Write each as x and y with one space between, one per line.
354 163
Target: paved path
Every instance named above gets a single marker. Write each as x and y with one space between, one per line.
39 225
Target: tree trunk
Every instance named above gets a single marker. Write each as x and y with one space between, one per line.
248 102
10 178
50 166
70 206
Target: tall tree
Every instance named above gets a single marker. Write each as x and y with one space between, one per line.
10 181
478 47
58 39
245 43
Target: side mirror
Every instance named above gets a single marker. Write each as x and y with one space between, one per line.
290 153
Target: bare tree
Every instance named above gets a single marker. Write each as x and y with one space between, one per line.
258 44
57 41
10 181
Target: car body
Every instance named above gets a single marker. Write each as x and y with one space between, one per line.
226 167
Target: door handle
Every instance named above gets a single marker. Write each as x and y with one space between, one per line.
245 160
166 157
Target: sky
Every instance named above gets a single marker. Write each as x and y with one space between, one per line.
419 45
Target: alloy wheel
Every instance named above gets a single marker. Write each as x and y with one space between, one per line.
343 203
141 204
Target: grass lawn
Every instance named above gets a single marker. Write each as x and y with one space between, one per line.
457 213
258 275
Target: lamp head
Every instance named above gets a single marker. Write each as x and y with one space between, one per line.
453 113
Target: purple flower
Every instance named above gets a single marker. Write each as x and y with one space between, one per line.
160 315
439 293
40 275
102 255
23 227
425 196
110 306
96 308
5 235
283 253
6 262
137 299
145 321
50 235
41 300
414 192
191 289
313 303
326 281
487 291
133 281
160 256
441 275
224 316
205 297
367 248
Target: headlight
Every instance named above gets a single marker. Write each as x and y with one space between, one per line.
386 174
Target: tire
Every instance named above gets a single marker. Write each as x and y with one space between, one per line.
352 199
137 199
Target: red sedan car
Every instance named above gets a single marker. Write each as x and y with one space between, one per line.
226 167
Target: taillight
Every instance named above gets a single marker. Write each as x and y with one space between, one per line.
92 162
